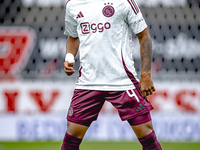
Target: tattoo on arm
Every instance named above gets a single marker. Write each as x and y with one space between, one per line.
146 54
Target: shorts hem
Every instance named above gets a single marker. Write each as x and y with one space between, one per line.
135 115
85 123
145 118
142 122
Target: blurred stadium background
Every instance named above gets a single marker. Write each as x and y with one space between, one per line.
35 92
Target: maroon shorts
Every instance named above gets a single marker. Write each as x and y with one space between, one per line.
86 105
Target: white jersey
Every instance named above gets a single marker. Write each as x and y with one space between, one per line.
106 48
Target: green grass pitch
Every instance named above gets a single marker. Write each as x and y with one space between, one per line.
86 145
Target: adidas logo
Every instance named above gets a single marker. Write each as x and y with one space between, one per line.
140 107
80 15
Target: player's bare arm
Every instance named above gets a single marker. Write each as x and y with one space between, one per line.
72 46
146 83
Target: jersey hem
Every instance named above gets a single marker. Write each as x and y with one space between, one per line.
106 88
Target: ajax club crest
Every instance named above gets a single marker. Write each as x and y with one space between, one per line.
108 10
70 111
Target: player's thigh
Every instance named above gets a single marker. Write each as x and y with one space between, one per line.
143 130
76 130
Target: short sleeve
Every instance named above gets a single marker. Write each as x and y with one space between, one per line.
70 24
135 18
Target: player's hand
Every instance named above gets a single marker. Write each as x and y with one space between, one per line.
146 84
68 68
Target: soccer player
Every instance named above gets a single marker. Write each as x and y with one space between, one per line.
102 32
